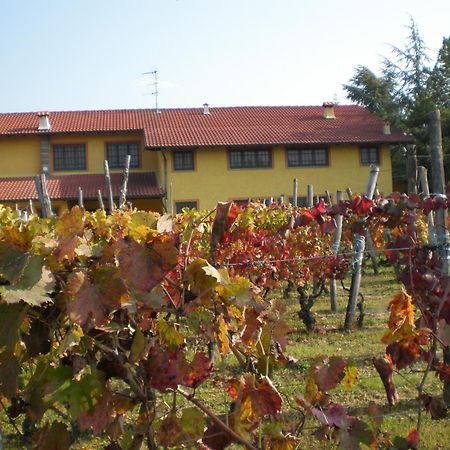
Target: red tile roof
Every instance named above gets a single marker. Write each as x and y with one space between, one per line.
223 126
140 185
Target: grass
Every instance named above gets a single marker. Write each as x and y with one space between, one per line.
360 346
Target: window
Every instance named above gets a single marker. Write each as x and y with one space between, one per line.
188 204
116 154
183 160
301 201
251 159
369 155
307 157
69 157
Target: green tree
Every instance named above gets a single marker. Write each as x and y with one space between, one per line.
408 89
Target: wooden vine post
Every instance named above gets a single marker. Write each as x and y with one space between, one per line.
109 187
44 199
359 246
295 192
101 205
310 196
336 245
80 197
124 188
442 235
425 190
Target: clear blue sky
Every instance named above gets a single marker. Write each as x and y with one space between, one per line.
90 54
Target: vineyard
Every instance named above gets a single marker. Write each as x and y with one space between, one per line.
139 330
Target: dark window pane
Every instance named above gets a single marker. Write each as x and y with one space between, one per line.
307 157
117 152
250 159
183 160
369 155
69 157
180 205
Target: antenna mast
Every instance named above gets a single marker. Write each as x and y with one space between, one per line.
155 87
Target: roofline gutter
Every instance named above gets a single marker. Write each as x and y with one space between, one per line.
66 199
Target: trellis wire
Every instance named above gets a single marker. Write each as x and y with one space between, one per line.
263 262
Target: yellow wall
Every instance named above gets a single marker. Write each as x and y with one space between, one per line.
19 156
213 181
96 151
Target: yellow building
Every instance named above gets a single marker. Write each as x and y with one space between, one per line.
193 157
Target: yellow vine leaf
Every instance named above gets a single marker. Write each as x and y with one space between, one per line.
168 335
351 376
222 334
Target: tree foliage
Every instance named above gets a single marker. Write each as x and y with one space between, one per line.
408 88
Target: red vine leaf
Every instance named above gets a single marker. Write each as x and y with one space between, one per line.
413 439
329 372
200 369
226 214
142 267
253 326
101 416
258 400
165 369
52 437
435 406
86 306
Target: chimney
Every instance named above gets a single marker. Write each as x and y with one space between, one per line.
44 122
386 128
328 110
205 109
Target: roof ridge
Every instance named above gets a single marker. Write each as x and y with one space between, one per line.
112 110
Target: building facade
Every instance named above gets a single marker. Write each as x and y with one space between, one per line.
193 157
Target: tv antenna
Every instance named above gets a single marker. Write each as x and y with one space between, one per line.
154 84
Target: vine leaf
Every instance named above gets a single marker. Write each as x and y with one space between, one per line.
170 431
101 415
401 319
215 437
222 335
258 400
193 423
80 394
189 427
86 307
9 374
13 261
199 370
137 346
168 335
165 369
11 318
253 327
32 285
52 437
329 372
351 376
435 406
68 227
280 442
221 222
201 276
142 267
